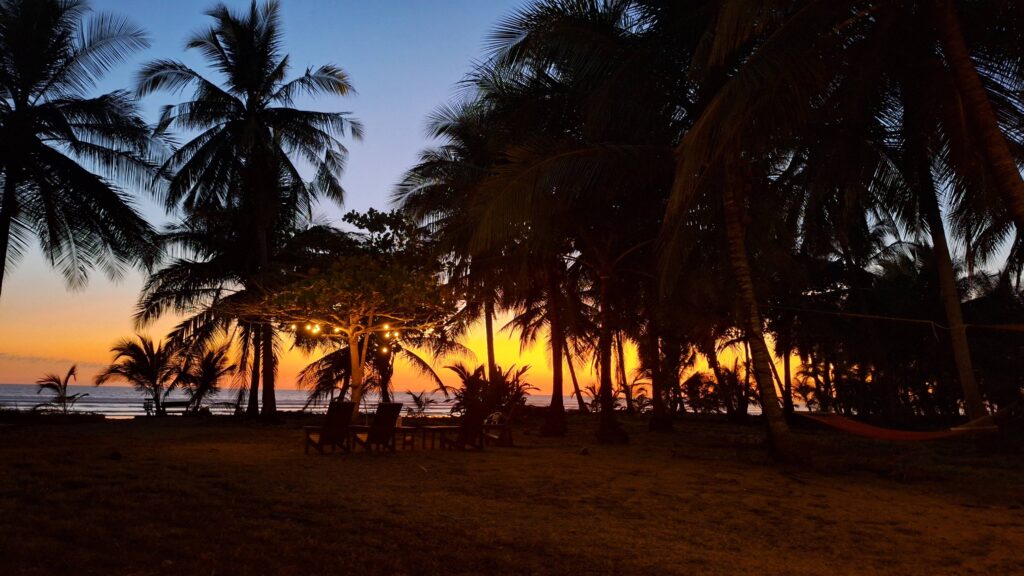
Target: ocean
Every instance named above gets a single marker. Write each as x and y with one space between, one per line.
125 401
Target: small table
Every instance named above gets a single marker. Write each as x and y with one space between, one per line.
434 432
408 433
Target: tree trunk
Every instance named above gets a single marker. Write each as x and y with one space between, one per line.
660 421
253 408
269 366
671 352
269 358
787 393
787 373
627 390
8 206
742 396
492 366
584 409
555 423
609 431
712 357
356 371
949 292
778 430
980 112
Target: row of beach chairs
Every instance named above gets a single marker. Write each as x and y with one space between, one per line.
384 431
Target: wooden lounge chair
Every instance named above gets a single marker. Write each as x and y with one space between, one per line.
334 432
381 431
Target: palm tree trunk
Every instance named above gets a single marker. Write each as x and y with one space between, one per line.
671 356
555 423
492 366
716 368
949 292
584 409
269 362
620 356
269 359
742 396
778 430
979 111
8 206
609 431
785 346
787 383
253 408
660 419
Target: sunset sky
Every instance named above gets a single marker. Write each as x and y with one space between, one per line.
404 58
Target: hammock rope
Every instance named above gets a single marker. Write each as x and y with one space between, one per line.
934 325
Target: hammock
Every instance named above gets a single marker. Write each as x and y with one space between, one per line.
981 425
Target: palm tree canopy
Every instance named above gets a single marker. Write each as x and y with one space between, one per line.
64 155
147 365
248 130
57 384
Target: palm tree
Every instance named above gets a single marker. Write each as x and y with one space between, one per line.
586 174
59 386
151 368
211 265
976 97
248 136
200 375
58 147
438 192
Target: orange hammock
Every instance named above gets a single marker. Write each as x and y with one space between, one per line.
981 425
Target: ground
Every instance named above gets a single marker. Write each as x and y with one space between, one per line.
214 496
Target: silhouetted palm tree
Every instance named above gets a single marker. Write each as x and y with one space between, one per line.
151 368
58 146
249 136
200 374
59 386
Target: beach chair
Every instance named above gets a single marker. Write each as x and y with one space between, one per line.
334 432
380 433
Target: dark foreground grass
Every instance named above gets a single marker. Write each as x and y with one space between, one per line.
181 496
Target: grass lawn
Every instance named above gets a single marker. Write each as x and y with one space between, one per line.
214 496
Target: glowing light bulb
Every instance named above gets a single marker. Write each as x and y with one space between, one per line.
308 327
384 349
387 326
293 327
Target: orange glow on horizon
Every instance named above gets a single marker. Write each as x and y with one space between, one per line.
45 328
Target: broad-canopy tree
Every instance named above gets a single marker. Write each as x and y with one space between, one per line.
386 285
